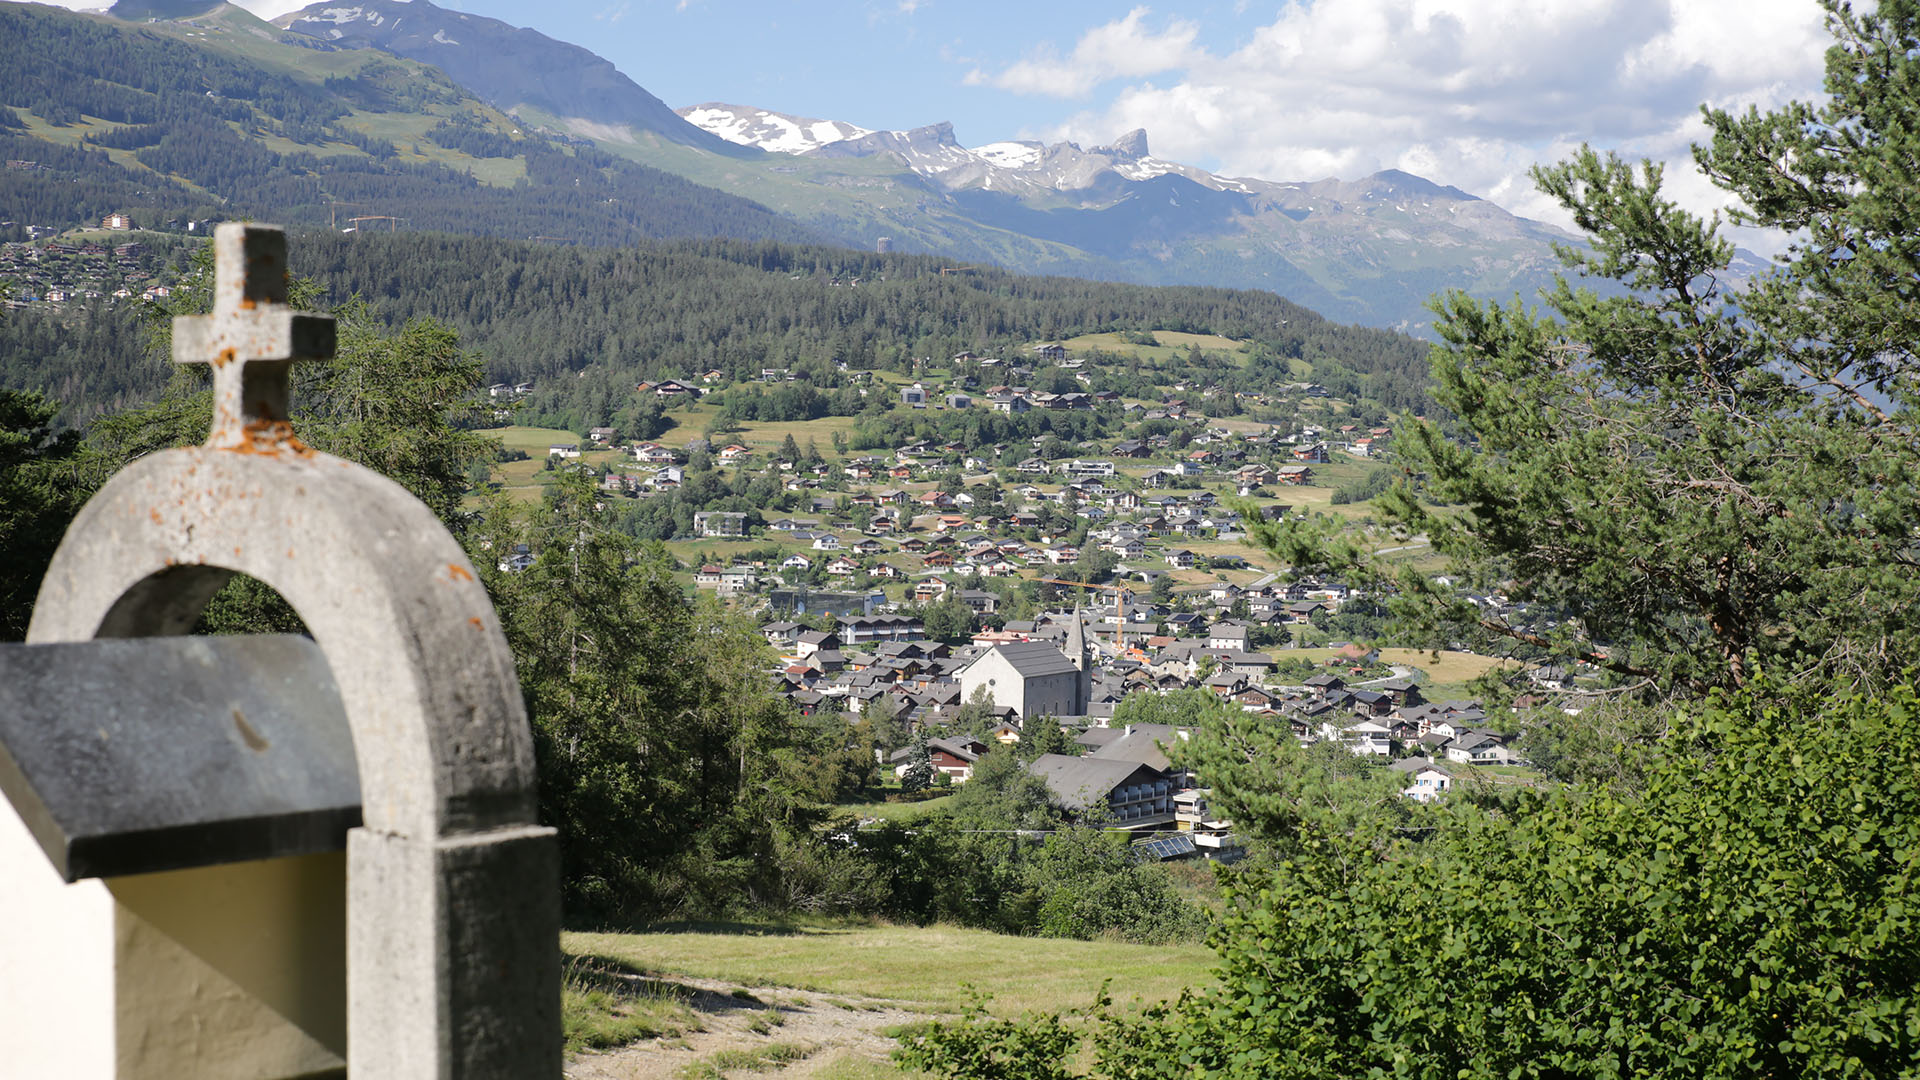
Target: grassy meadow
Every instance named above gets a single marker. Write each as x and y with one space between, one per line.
924 968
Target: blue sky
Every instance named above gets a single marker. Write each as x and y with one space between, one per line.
1464 92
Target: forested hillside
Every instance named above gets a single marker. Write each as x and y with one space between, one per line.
130 118
584 324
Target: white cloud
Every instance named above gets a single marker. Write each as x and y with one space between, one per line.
1120 49
1464 92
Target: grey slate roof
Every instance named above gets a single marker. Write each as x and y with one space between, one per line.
1080 782
1140 745
1033 659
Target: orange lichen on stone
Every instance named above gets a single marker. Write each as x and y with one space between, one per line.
155 515
270 437
223 357
246 303
476 623
458 572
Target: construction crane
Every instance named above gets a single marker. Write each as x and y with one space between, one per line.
333 212
393 223
945 270
1120 594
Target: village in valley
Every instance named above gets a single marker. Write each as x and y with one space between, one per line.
970 592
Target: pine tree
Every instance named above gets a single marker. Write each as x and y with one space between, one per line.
919 774
1684 479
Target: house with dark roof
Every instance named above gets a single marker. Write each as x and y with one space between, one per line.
1133 795
1143 744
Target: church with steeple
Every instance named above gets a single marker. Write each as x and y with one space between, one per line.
1034 678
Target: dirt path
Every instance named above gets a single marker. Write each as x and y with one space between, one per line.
755 1030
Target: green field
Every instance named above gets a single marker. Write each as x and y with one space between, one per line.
893 811
1173 345
919 967
522 479
762 437
1450 670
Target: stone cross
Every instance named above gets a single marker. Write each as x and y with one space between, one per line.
183 890
252 339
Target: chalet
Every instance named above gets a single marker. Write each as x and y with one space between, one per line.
1355 653
1325 683
1086 469
781 635
1180 559
735 452
1008 403
1367 737
796 561
1049 353
959 401
826 542
842 567
915 395
1314 453
719 523
1479 748
1133 795
953 756
1255 699
1131 448
980 601
669 388
600 434
857 629
1425 780
1228 635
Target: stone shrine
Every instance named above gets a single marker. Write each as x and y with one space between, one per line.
268 856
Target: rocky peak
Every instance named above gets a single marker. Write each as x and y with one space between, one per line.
1129 147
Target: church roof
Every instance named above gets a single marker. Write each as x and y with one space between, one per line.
1033 659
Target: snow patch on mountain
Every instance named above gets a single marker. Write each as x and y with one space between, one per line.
1010 155
341 15
768 130
441 37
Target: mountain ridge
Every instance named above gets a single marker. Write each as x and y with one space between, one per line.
512 68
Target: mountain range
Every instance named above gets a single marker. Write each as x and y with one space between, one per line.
517 115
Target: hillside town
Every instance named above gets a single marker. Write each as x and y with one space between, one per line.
971 593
